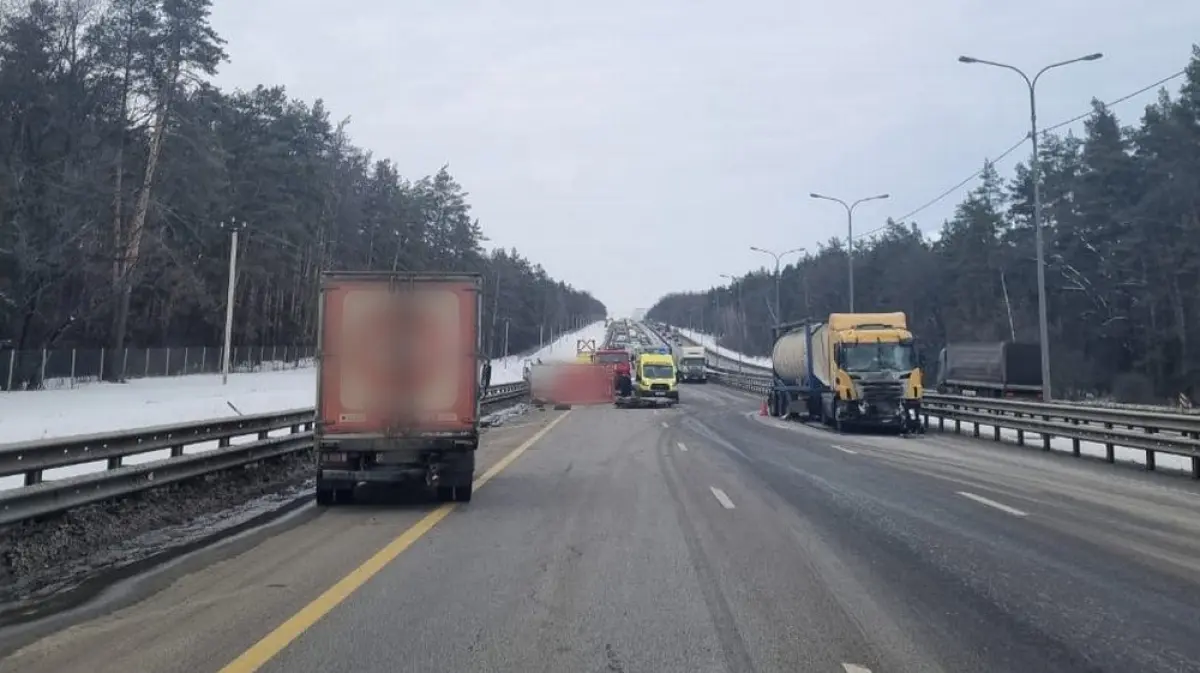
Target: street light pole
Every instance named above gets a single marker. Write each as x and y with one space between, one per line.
849 232
739 313
1035 176
233 226
777 256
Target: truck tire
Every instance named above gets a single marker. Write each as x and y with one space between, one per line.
325 497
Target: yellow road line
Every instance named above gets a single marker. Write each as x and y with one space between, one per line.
274 642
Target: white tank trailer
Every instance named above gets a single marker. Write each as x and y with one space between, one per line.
795 393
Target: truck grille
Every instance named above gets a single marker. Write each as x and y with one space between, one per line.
875 392
659 386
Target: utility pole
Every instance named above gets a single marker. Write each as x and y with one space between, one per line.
1035 176
849 232
233 226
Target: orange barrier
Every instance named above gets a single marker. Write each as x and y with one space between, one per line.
581 384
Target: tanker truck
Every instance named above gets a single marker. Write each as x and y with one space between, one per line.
854 370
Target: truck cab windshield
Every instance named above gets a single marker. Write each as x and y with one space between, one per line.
611 358
657 372
692 362
877 357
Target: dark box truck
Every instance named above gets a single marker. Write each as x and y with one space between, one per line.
992 369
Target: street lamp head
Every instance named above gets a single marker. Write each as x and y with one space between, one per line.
882 196
967 59
1093 57
817 196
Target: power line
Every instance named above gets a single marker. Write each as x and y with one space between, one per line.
1013 148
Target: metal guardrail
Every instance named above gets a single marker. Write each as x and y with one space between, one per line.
39 497
1153 432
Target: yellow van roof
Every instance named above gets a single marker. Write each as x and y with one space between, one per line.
657 358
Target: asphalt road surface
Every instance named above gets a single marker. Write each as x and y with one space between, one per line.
702 538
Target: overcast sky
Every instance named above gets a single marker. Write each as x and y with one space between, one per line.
639 148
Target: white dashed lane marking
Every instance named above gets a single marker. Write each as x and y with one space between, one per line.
992 503
721 497
682 447
844 449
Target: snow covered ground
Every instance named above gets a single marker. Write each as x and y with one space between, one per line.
101 407
710 342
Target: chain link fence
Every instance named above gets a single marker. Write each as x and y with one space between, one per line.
67 368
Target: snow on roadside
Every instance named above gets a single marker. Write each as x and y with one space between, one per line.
1166 462
107 407
709 342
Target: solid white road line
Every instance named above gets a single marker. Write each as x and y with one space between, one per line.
681 446
843 449
992 503
721 497
855 668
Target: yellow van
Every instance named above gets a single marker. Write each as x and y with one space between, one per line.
654 378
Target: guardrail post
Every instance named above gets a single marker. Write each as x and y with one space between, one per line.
114 462
1046 436
33 477
176 451
1109 450
1020 437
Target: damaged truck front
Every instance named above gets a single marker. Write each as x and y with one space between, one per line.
399 381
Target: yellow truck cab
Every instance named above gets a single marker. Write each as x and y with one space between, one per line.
654 378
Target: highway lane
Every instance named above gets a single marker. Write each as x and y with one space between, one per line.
702 538
988 557
200 612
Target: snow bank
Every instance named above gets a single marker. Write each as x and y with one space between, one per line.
102 407
709 342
